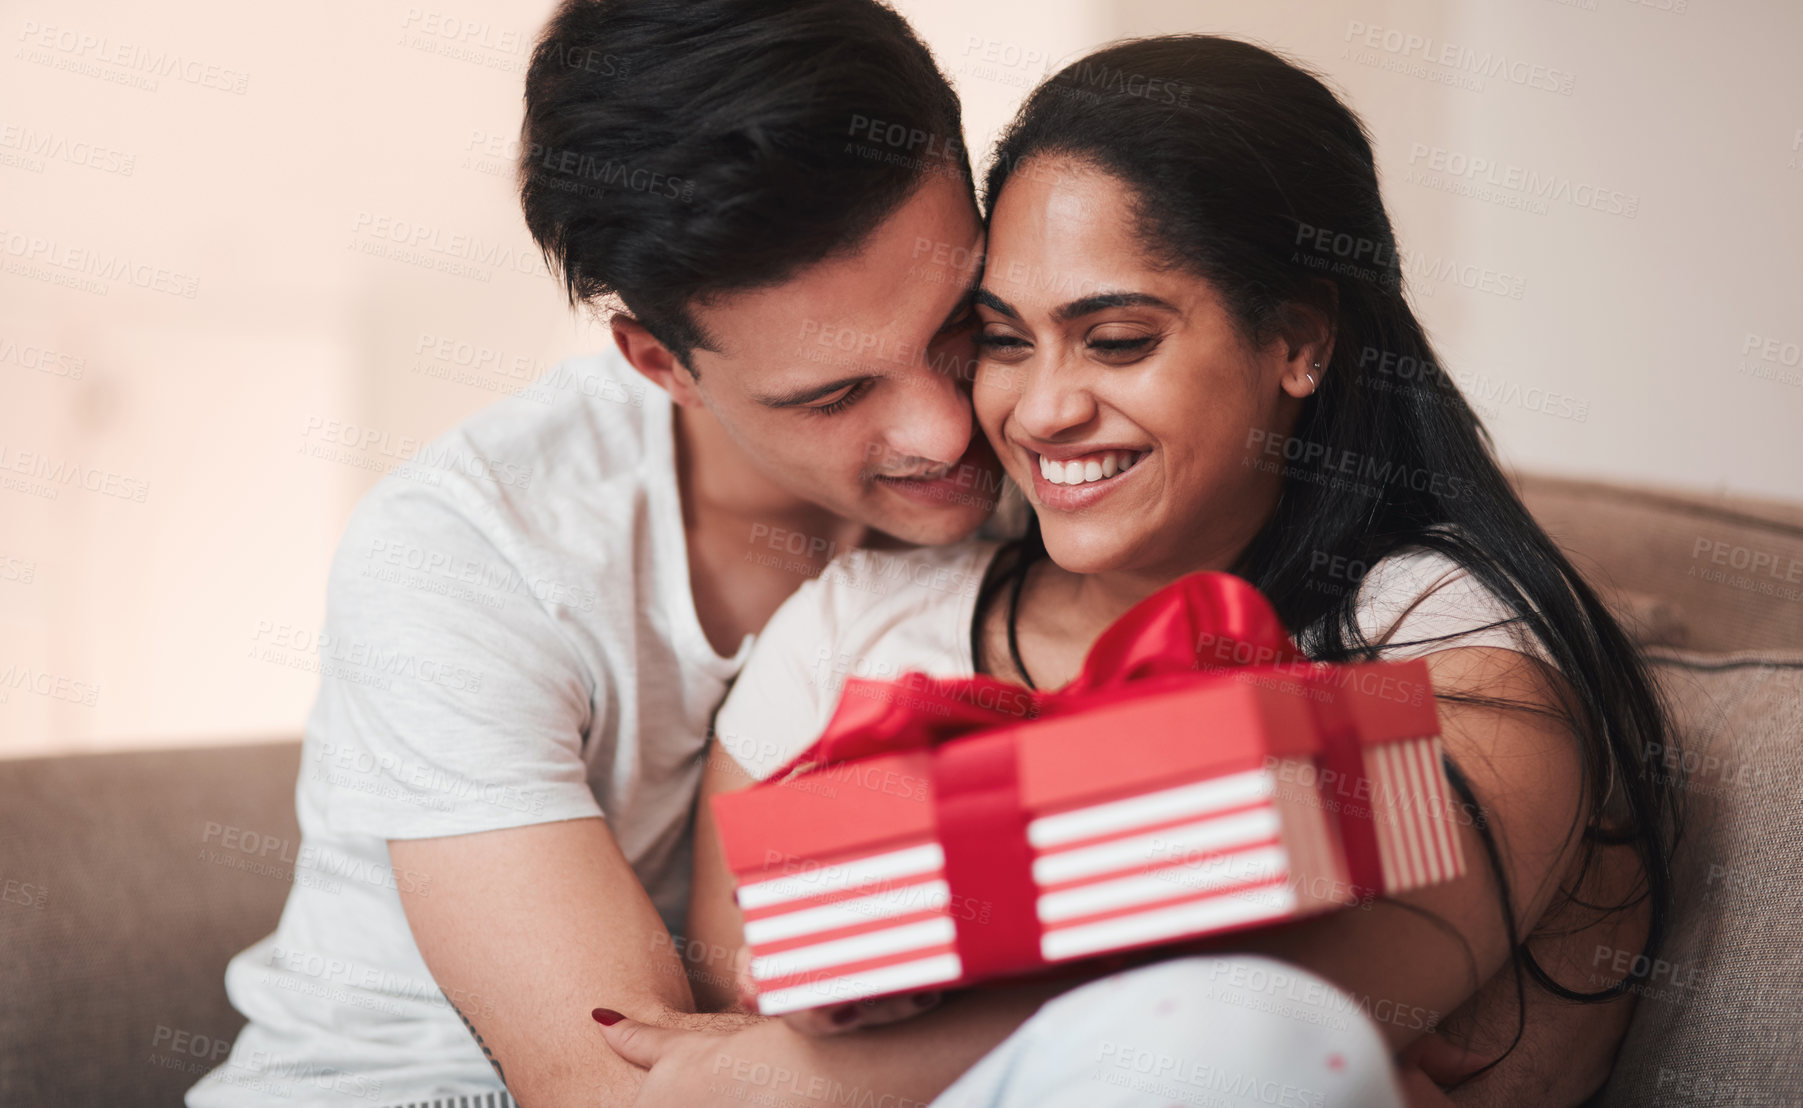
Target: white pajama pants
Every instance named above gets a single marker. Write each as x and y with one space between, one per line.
1200 1032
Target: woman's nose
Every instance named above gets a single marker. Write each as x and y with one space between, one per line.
1052 402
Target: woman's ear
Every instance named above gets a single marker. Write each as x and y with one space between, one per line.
1308 338
656 361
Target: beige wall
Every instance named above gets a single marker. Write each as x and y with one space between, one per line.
1655 338
210 345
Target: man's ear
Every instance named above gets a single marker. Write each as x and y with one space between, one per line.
655 360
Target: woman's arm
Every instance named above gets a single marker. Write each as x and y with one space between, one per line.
1406 962
1412 959
716 931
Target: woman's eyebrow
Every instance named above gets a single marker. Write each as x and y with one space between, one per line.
1074 309
991 300
1102 301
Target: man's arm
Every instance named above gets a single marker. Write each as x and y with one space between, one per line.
539 922
469 760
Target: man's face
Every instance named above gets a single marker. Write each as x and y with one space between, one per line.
849 385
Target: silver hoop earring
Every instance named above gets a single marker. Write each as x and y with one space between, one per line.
1312 383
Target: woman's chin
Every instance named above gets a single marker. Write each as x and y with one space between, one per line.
1077 551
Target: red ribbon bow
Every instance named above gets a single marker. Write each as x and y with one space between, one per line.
1186 632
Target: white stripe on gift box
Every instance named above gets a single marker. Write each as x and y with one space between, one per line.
1185 841
1413 779
909 862
1389 842
1214 795
1414 843
1193 917
848 913
1396 784
886 979
857 948
1446 837
1265 863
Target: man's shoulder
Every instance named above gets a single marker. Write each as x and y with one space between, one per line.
585 419
558 455
592 405
526 506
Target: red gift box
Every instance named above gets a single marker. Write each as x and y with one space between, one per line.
1197 777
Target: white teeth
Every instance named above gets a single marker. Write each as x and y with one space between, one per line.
1079 473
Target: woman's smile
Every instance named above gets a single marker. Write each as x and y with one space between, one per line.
1069 479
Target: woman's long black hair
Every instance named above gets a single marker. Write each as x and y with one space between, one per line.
1248 172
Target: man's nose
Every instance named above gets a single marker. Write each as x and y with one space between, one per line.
931 419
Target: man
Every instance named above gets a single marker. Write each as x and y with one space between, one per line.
528 628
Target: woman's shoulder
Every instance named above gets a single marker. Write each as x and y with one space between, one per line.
871 614
1418 600
866 593
906 608
871 579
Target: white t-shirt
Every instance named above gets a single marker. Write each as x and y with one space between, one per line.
876 615
510 639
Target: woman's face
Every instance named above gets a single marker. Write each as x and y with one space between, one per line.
1119 394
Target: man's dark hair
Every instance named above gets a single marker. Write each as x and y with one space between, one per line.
676 149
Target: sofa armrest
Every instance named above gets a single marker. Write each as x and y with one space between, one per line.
127 881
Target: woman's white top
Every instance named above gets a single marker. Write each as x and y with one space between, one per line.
877 614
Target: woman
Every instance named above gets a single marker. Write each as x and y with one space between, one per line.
1188 331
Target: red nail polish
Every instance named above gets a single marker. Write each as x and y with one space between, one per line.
607 1017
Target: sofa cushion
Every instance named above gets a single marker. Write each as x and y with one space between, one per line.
1698 573
1719 1021
126 883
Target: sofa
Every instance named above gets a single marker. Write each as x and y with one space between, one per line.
127 880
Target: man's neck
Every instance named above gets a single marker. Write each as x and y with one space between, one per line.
727 503
720 485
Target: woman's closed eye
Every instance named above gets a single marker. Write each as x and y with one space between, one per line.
1000 344
1117 347
1122 347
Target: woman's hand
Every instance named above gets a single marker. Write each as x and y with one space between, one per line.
675 1060
677 1057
